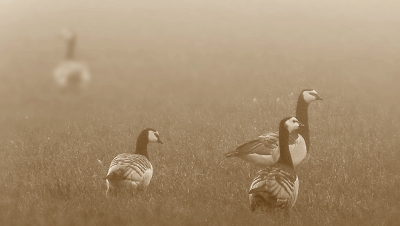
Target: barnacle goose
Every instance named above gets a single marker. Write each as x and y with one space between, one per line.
131 172
277 186
70 74
263 151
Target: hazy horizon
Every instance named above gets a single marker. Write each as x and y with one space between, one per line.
209 76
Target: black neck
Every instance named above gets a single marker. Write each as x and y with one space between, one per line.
141 146
302 116
70 49
284 157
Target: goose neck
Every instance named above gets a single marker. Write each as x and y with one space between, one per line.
302 116
141 146
70 49
284 157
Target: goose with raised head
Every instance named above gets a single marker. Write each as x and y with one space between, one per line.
131 172
70 74
263 151
277 186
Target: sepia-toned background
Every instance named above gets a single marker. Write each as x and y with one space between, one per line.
208 75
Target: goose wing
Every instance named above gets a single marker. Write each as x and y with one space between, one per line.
263 145
261 151
130 167
71 72
276 186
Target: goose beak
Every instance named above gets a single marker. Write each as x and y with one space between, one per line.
159 141
301 125
318 97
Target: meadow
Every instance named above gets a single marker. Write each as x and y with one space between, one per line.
207 84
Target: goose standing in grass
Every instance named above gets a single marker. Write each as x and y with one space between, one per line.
71 75
277 186
132 171
263 151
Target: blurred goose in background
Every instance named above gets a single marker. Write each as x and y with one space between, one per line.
277 186
71 75
264 150
131 172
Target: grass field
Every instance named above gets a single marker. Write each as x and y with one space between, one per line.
193 78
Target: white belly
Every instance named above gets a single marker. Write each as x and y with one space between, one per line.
298 151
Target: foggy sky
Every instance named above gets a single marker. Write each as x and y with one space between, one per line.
361 36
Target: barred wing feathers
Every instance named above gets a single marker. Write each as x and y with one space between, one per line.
263 151
130 170
276 186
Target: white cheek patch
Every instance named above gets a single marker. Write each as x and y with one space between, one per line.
67 34
152 137
292 126
308 97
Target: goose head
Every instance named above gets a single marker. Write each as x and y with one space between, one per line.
310 95
153 136
291 124
67 34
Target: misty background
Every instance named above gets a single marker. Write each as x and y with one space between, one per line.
205 42
208 75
